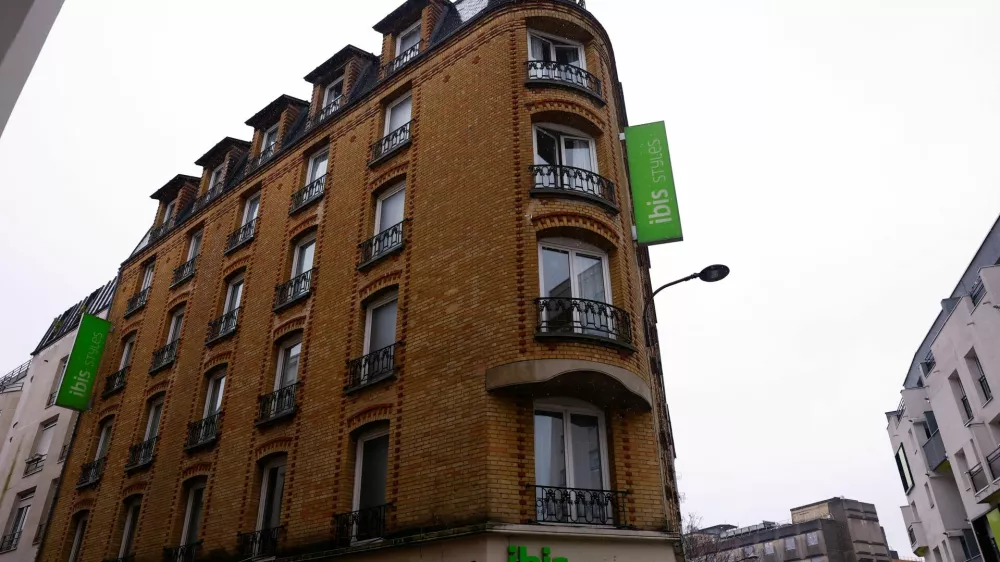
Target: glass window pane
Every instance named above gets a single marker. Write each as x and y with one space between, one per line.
195 246
253 206
290 365
153 425
383 328
270 137
391 210
126 353
586 445
334 92
555 274
194 515
408 41
578 153
45 440
590 277
547 149
304 260
214 399
272 505
175 327
568 55
374 468
399 115
541 49
550 454
318 168
235 296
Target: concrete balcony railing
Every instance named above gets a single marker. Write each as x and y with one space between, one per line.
934 452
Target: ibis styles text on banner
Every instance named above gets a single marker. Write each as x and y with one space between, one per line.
81 369
657 218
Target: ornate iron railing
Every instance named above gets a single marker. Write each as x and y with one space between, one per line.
90 473
562 73
51 400
978 477
390 143
382 244
223 326
141 454
33 464
183 272
574 181
402 60
294 289
242 235
934 451
114 382
137 301
8 542
326 112
583 318
265 155
313 191
277 404
164 356
182 553
263 542
202 431
202 201
369 369
361 525
158 232
577 505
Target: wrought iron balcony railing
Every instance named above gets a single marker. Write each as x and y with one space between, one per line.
296 288
263 542
183 272
582 319
33 464
114 382
182 553
326 112
313 191
137 301
402 60
241 235
934 451
205 198
548 72
381 245
164 356
8 542
158 232
90 473
372 368
141 454
223 326
577 505
276 405
390 143
51 400
978 477
202 432
361 525
576 182
264 157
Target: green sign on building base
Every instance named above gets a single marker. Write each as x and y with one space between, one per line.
81 368
657 218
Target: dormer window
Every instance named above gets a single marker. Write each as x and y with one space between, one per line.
408 39
269 140
168 213
334 92
216 178
551 49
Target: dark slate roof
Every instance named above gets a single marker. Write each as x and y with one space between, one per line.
218 152
401 17
169 190
69 320
269 115
334 63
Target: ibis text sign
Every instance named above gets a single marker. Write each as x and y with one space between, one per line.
657 218
520 554
81 369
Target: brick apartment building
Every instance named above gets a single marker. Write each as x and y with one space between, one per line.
405 320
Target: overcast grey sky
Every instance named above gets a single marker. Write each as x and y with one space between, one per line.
840 156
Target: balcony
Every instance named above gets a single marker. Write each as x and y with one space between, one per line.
309 194
51 400
202 432
276 405
114 382
978 292
993 461
579 506
223 326
390 144
164 356
203 201
158 232
33 464
140 455
361 525
294 290
263 158
90 473
182 553
564 75
136 302
9 541
372 368
183 272
581 319
567 181
326 112
979 478
934 451
259 543
399 62
241 236
381 245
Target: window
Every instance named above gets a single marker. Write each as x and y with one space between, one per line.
978 292
216 177
370 471
768 548
389 208
930 498
570 448
269 139
789 543
128 532
213 396
176 323
251 209
61 369
812 538
963 400
562 146
302 260
147 276
398 113
904 469
271 488
547 48
288 364
192 514
573 270
380 323
968 542
234 295
194 245
79 529
408 39
103 439
168 213
976 368
16 523
153 415
930 424
317 166
127 348
333 92
43 440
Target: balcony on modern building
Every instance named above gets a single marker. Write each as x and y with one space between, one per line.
577 506
372 368
259 543
9 541
140 455
277 405
570 319
985 477
223 326
915 530
202 432
934 452
552 73
383 244
293 290
241 236
136 302
390 144
114 382
164 357
182 553
361 525
567 181
90 473
183 272
33 464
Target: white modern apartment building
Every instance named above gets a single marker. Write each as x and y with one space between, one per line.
945 433
38 433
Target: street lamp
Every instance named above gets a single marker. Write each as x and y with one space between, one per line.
710 274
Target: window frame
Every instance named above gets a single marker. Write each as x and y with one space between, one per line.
388 112
574 247
176 325
103 438
552 39
216 175
247 219
78 531
227 305
404 33
339 81
274 464
47 425
127 348
563 132
812 538
194 243
210 408
389 297
296 254
284 347
264 145
22 501
324 153
790 540
147 276
567 407
168 212
132 507
61 369
378 430
154 404
386 194
186 524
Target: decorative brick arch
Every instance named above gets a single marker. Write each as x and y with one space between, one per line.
392 175
384 282
272 446
557 223
157 388
570 111
310 222
178 300
82 504
296 323
196 470
108 412
236 265
369 414
131 328
135 489
217 360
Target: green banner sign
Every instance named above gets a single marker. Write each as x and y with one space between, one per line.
81 369
657 218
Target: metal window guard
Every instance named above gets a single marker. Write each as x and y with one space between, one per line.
296 288
574 181
114 382
326 112
141 454
182 553
382 244
561 73
203 431
277 404
90 473
978 478
311 192
390 143
578 505
263 542
223 326
242 235
9 541
371 368
184 272
164 356
400 61
583 318
137 301
361 525
33 464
